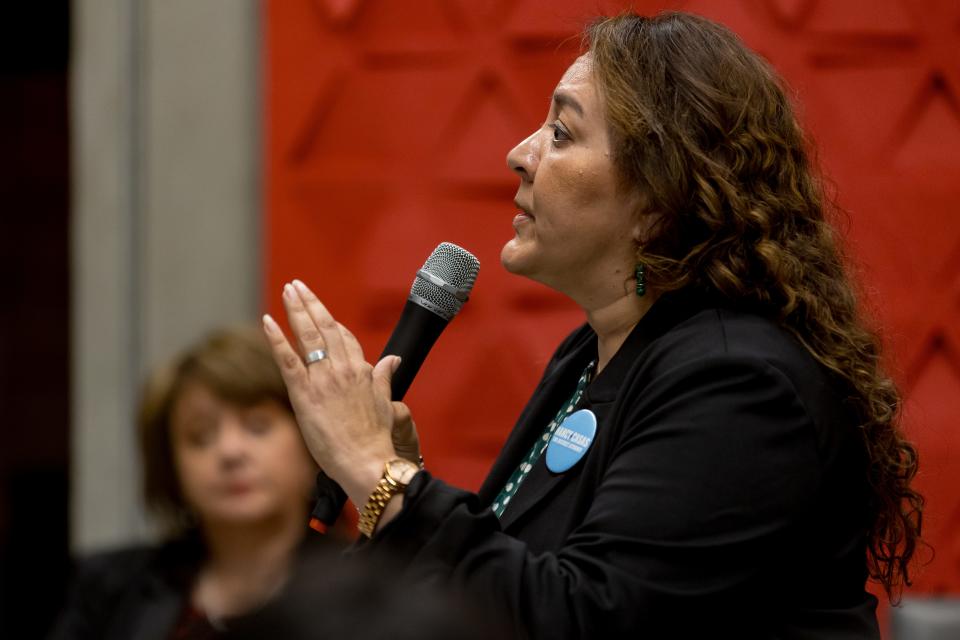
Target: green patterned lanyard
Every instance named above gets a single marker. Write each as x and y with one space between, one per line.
506 494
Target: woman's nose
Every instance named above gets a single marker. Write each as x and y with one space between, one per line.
233 442
525 157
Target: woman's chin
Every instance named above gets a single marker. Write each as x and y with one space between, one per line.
515 257
244 511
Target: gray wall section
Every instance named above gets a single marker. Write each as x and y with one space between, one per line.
166 219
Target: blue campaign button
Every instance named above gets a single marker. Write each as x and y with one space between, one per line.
571 440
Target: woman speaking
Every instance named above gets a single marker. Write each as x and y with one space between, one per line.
716 449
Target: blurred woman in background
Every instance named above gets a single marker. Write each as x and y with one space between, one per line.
226 471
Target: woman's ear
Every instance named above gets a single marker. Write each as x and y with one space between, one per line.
644 225
644 217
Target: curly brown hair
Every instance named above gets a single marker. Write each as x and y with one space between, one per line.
702 125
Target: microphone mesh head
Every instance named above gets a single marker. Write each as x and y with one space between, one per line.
455 266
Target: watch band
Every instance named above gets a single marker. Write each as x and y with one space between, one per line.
386 488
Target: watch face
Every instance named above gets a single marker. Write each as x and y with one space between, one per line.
402 470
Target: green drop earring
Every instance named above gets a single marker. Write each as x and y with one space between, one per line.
641 280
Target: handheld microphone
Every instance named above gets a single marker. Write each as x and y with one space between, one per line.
439 290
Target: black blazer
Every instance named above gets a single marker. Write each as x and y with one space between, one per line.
133 594
140 593
725 493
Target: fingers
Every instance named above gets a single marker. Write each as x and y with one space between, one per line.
315 328
304 329
351 344
288 360
317 318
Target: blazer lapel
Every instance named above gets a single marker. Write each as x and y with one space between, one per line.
541 482
599 397
555 387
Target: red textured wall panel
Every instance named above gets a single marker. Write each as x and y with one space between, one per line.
387 124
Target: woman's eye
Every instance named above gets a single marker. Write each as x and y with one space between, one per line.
560 133
258 424
201 435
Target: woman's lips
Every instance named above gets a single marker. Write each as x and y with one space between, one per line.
521 218
238 488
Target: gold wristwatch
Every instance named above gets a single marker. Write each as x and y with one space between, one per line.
397 474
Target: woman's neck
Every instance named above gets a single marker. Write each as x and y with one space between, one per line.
245 564
613 321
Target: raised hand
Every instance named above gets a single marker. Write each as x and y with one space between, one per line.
342 403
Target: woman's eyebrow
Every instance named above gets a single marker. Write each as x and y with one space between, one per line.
562 99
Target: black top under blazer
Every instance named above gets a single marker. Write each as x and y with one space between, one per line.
725 495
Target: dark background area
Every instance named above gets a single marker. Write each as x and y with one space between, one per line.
34 314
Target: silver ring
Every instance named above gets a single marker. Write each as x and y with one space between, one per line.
315 356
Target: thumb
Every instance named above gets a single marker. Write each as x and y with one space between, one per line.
383 373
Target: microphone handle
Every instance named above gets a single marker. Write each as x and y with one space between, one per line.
329 500
415 334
